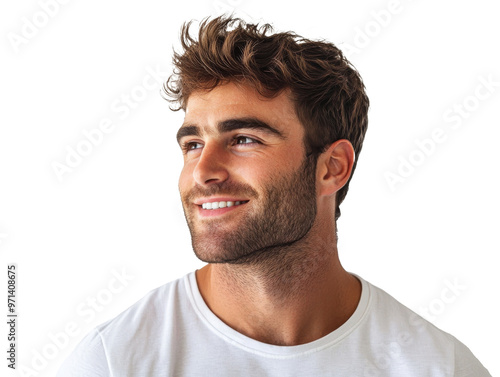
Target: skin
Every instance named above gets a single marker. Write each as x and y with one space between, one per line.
295 293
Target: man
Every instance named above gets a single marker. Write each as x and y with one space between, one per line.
273 128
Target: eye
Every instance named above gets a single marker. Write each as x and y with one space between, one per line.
190 146
244 140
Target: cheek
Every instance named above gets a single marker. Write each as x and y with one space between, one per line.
185 178
254 174
283 164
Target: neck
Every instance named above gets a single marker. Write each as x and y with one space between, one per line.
284 296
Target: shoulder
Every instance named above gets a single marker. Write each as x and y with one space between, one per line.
400 333
87 359
121 339
150 310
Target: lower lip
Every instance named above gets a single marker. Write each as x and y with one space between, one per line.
218 211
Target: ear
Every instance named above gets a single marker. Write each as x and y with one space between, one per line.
335 167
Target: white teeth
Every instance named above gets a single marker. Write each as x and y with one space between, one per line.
216 205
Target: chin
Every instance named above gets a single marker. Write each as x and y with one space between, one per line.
213 253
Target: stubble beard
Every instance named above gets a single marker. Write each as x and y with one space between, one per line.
285 217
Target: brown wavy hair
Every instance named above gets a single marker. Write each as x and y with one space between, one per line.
327 91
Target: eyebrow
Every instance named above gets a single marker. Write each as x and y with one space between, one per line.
229 125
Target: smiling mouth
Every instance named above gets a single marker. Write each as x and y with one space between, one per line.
222 204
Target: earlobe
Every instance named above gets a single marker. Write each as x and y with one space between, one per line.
335 166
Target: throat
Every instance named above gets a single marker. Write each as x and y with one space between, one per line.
280 274
284 309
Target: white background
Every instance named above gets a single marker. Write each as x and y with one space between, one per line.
119 209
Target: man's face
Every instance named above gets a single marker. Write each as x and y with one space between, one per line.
246 186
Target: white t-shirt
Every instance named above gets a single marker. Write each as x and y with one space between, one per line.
172 332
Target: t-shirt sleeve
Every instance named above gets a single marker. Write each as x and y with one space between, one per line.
88 359
466 364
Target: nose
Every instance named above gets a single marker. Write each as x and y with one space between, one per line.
211 166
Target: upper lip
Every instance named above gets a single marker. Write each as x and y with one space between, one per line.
200 201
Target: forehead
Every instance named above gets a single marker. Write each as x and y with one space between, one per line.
233 100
